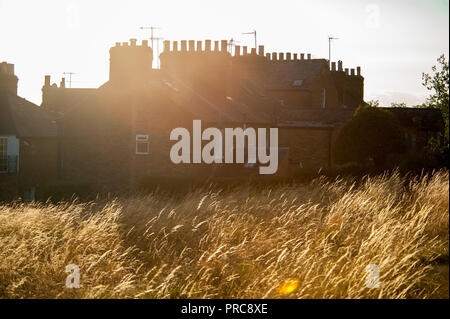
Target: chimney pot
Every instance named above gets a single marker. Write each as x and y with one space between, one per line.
183 45
191 45
207 45
295 56
340 66
47 80
244 50
145 43
175 46
309 56
216 46
261 50
302 56
199 46
63 83
253 51
237 50
117 44
346 71
274 56
166 45
288 56
358 70
352 71
224 45
133 42
268 56
333 66
281 56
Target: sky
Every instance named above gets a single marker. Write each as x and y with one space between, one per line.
392 41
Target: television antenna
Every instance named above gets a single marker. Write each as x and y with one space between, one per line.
330 38
254 33
70 77
151 28
231 44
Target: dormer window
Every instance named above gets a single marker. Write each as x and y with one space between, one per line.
297 83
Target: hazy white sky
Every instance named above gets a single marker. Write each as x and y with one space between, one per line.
393 41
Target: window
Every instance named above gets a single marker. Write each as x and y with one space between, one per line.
3 154
142 144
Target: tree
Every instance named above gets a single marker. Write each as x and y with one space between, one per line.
372 133
395 104
438 83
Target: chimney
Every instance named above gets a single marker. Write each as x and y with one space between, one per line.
207 45
118 44
133 42
288 56
352 71
224 45
183 45
145 43
346 71
309 56
244 50
261 50
274 56
253 51
8 81
130 65
340 67
358 71
166 46
63 83
333 66
47 80
302 56
281 56
237 50
295 57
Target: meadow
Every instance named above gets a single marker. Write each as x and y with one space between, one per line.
305 240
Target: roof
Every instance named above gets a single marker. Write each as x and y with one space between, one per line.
315 115
24 119
293 75
429 119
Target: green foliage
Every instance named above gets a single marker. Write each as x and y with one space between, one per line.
372 133
399 104
438 83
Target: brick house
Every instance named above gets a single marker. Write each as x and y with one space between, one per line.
28 145
118 134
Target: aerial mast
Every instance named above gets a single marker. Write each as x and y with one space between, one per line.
330 38
254 33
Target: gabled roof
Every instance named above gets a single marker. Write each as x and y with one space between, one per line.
293 75
24 119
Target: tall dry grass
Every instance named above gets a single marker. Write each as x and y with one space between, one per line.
291 241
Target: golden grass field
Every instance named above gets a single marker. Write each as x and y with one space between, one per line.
311 240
